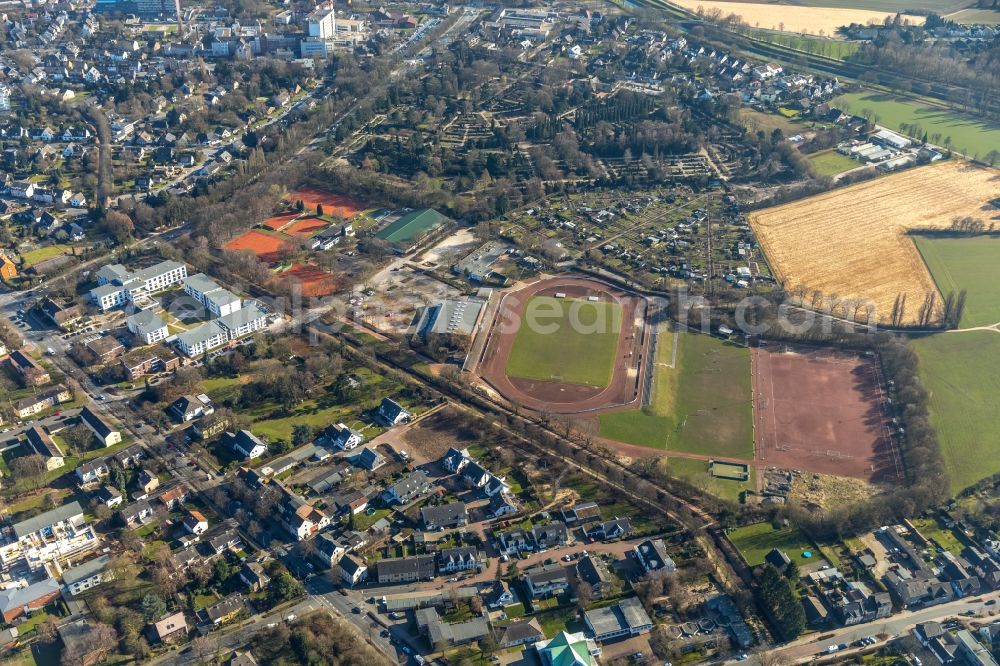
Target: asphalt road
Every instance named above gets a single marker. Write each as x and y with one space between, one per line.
897 625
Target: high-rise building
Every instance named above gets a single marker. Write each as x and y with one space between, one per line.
321 22
4 99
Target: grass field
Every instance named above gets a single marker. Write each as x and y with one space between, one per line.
701 406
830 48
755 541
852 242
976 16
969 135
696 472
564 354
411 226
40 254
972 264
962 373
932 529
814 20
831 163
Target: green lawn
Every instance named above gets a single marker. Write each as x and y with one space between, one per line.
972 264
832 163
696 472
939 534
830 48
568 340
962 373
755 541
40 254
969 134
701 406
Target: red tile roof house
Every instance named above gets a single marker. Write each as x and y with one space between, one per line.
195 522
22 601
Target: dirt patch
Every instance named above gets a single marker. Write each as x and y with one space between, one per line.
555 397
822 411
434 435
828 492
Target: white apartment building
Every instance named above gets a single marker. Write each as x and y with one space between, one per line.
116 285
147 326
227 328
218 300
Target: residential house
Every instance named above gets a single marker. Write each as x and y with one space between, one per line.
516 541
189 407
135 514
306 521
32 405
195 522
652 555
39 440
452 560
501 504
19 602
86 576
442 635
609 530
61 313
102 429
253 576
224 610
109 496
245 444
391 413
146 482
329 549
369 459
104 349
344 438
173 497
547 580
454 460
30 372
407 489
553 535
405 569
352 502
520 632
168 629
227 539
444 516
594 572
352 570
567 649
499 596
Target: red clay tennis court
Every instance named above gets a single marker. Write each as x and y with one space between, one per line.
306 227
280 221
266 246
315 283
333 204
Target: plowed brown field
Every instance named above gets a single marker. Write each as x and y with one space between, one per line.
852 242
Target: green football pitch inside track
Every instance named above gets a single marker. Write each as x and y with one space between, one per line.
566 340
